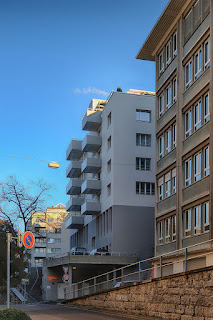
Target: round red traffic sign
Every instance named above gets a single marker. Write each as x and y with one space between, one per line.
28 240
65 277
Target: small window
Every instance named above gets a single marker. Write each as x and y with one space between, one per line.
197 116
109 119
160 192
206 54
188 123
145 188
168 53
161 147
188 172
174 138
161 105
109 143
187 223
161 62
168 96
197 166
206 216
174 185
206 162
109 190
168 188
167 230
197 64
173 228
168 140
197 220
174 90
174 38
109 166
143 164
143 140
160 232
188 74
206 108
143 115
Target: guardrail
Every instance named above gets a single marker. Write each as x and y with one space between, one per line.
190 258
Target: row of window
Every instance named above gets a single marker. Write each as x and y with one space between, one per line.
197 166
195 221
197 64
167 97
197 115
48 250
104 223
168 53
146 188
167 141
167 185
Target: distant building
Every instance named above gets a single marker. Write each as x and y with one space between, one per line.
112 174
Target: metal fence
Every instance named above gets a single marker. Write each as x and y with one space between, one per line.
190 258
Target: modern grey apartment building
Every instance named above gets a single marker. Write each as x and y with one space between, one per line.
179 43
112 173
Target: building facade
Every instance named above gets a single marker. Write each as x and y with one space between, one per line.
179 43
112 174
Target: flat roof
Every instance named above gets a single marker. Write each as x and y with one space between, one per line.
161 27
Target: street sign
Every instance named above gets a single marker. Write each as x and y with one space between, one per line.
52 278
65 277
65 269
28 240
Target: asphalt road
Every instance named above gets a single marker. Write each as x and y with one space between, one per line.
55 312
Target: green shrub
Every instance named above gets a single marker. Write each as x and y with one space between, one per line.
13 314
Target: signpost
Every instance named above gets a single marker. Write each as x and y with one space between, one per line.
28 240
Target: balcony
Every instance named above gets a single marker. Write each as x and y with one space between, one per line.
74 204
91 120
40 245
39 255
74 187
74 169
91 207
74 150
91 165
91 186
91 143
74 222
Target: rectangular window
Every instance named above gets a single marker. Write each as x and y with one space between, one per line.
197 115
161 62
197 64
188 74
143 164
160 189
161 105
168 141
109 190
109 119
206 162
188 25
143 115
197 220
188 172
109 143
174 90
168 53
174 185
168 188
206 108
197 167
167 230
109 166
143 140
206 216
188 123
58 240
145 188
173 228
161 147
174 138
160 232
206 54
50 240
187 223
168 96
174 38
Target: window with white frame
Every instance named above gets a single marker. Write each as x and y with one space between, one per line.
160 232
206 108
174 90
143 164
168 96
173 228
197 166
143 115
206 162
145 188
197 64
161 105
187 223
160 189
167 230
168 140
188 74
197 115
161 62
168 185
206 54
174 39
197 219
188 123
143 140
174 136
188 172
161 147
168 53
206 216
174 181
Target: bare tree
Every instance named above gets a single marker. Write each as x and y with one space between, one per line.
19 202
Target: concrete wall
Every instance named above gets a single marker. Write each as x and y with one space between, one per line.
185 296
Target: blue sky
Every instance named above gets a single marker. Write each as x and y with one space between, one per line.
55 56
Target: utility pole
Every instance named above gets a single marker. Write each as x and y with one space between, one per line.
9 236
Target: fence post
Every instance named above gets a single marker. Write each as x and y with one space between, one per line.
161 266
139 271
186 259
122 274
94 284
83 288
107 281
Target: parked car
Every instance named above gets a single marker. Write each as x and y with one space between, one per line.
79 251
99 252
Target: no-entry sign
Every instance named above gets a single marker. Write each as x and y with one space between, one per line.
28 240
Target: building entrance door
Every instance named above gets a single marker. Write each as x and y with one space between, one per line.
61 287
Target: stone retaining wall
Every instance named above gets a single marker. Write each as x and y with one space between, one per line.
184 296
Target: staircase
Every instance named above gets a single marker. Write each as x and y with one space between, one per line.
19 295
34 288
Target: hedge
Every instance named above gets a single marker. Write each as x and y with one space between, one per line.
13 314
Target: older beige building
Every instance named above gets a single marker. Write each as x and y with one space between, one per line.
179 43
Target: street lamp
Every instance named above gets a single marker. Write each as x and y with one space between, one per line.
51 164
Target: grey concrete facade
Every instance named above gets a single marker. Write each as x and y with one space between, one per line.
184 175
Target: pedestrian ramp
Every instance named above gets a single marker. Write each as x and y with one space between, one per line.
19 295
